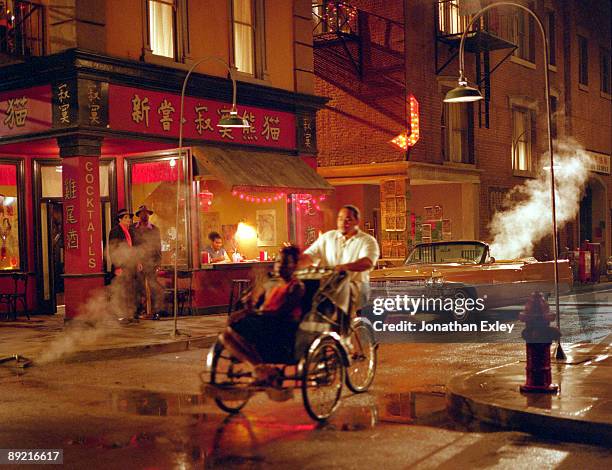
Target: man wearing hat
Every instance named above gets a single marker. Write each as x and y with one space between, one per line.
147 241
121 252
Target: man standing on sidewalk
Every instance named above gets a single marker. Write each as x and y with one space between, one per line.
147 241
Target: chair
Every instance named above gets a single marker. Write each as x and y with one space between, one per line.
184 294
239 286
19 295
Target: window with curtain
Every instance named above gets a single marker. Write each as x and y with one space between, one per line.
10 233
449 19
583 60
521 139
162 27
153 183
243 26
456 129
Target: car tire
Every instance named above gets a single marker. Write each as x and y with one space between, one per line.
467 316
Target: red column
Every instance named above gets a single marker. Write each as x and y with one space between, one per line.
82 221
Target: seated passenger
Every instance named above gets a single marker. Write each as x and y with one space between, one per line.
216 252
268 323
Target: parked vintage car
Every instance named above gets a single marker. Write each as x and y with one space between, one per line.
466 270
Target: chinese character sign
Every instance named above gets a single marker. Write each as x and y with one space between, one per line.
25 111
82 222
152 112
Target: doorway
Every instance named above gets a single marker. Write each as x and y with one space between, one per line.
50 228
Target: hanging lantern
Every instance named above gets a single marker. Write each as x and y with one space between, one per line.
206 198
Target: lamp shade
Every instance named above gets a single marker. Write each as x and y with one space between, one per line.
233 120
462 94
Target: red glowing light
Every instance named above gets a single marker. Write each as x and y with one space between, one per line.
404 141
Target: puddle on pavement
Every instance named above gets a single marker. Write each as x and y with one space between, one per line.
148 403
363 412
415 407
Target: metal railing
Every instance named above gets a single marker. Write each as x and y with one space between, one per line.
22 30
334 17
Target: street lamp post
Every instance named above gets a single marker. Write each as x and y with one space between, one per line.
231 120
464 93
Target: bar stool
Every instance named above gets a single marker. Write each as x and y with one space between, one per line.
239 286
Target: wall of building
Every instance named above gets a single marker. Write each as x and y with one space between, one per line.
352 131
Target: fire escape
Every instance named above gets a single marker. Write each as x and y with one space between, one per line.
491 32
22 30
362 54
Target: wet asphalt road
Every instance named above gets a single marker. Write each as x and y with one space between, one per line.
148 413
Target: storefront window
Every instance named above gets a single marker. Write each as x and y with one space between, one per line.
10 253
251 224
153 183
51 180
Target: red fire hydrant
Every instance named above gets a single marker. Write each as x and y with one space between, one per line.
539 335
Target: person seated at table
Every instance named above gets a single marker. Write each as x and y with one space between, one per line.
269 321
216 252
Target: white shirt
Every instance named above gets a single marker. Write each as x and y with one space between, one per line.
332 249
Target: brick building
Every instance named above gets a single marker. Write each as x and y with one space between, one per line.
93 87
372 56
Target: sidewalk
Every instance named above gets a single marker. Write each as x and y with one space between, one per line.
45 339
581 411
583 288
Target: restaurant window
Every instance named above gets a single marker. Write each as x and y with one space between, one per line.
248 36
166 24
152 182
522 139
551 32
604 70
523 35
457 132
583 60
12 244
251 223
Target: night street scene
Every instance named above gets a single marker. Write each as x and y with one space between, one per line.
291 234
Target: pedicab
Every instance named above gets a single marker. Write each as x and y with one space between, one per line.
330 349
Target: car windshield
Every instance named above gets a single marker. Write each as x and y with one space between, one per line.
468 253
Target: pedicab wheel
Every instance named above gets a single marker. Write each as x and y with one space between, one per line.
322 378
362 354
229 373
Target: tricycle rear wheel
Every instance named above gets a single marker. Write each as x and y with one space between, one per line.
229 373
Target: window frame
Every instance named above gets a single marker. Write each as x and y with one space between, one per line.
467 140
259 59
21 208
583 60
130 160
523 35
180 32
551 34
529 132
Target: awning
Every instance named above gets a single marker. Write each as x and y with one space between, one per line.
248 170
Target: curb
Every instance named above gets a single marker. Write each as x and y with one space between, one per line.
123 352
465 406
586 288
